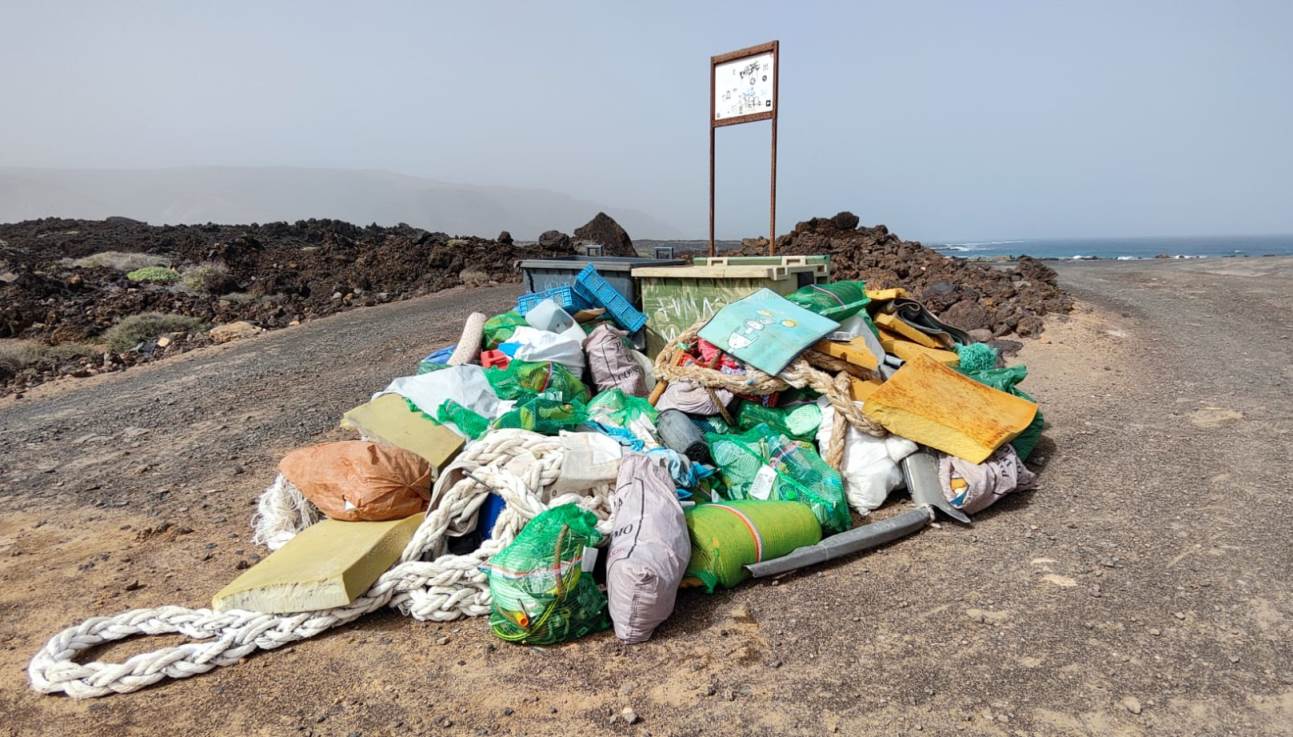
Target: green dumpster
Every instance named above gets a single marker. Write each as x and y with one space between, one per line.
676 297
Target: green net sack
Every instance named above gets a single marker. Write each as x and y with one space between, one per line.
615 407
543 415
727 536
499 328
762 463
522 379
976 357
539 593
471 422
798 421
1007 380
838 300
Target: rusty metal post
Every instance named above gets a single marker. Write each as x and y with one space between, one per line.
711 161
776 109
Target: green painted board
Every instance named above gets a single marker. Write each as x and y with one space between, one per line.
672 305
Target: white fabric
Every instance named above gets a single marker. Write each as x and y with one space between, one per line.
648 366
591 459
465 385
871 468
540 345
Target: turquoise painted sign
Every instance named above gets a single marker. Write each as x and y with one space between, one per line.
766 330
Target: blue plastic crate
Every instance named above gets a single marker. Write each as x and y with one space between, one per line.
591 286
565 297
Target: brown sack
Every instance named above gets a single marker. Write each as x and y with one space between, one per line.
356 481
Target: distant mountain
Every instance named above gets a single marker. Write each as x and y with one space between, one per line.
266 194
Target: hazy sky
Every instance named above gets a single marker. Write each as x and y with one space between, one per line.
943 120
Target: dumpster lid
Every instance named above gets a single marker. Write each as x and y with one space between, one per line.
750 271
602 263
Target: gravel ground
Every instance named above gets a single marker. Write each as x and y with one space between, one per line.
1143 589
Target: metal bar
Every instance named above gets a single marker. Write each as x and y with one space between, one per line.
776 109
712 66
920 472
846 543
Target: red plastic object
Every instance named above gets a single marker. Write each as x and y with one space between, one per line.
494 359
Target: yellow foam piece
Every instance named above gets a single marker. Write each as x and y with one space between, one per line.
388 419
905 349
898 327
931 404
886 295
328 564
853 351
861 389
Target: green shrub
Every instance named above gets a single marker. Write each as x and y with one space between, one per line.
154 275
16 355
136 329
121 261
200 277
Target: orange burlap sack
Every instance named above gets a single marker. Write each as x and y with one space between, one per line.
356 481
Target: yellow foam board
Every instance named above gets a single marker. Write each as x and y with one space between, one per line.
326 565
931 404
898 327
886 295
388 419
853 351
861 389
905 349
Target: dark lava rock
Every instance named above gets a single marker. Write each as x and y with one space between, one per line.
505 238
968 294
554 239
967 315
604 230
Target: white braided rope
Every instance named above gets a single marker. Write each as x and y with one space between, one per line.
518 465
281 512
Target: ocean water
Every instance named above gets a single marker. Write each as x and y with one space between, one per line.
1124 248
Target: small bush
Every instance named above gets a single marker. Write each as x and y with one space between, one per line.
204 276
136 329
474 278
16 355
154 275
238 298
121 261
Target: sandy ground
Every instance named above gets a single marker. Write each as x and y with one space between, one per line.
1143 589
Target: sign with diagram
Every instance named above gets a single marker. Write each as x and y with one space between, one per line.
742 89
745 87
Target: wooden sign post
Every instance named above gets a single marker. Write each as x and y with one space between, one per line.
743 89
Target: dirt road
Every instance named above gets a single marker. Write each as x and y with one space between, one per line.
1143 589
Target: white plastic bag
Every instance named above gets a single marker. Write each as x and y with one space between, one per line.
591 459
531 344
871 468
465 385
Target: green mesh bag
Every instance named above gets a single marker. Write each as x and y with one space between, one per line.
799 474
539 593
522 379
466 419
976 357
838 300
499 328
544 415
1006 380
798 421
617 408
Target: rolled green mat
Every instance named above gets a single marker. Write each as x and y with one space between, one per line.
727 536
